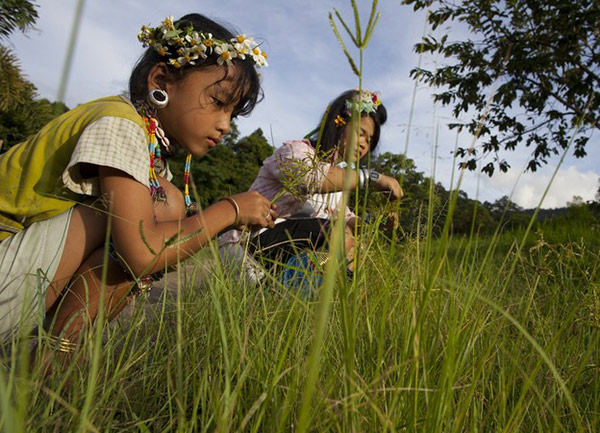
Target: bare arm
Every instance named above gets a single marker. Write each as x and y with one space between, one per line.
334 182
138 237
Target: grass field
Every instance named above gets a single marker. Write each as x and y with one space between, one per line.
467 336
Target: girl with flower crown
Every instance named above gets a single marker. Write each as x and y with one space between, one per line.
306 178
99 172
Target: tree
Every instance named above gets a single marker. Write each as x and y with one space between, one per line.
12 82
543 56
26 116
14 14
21 114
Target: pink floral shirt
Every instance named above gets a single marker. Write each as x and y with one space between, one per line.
294 164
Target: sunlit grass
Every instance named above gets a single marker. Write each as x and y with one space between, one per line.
477 353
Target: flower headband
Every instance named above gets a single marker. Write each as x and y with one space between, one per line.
185 46
367 102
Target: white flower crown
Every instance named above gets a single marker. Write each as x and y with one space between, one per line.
185 46
366 103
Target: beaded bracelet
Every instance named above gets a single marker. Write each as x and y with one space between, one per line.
235 207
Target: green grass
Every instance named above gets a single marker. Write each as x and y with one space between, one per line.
414 345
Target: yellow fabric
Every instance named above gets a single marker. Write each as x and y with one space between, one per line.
31 187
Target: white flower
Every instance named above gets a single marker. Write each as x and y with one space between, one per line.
193 39
179 40
225 52
168 24
187 56
200 50
175 62
243 45
160 49
209 43
259 57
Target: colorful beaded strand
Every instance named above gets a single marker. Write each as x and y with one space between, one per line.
156 191
186 181
156 137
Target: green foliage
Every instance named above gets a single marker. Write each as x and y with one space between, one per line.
227 169
544 58
13 85
580 212
16 14
26 116
21 113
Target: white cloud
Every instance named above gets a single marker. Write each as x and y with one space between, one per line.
529 188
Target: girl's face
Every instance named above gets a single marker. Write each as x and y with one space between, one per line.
367 128
198 114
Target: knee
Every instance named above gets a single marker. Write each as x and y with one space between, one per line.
174 208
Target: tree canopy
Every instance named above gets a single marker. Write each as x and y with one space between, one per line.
542 58
21 112
16 14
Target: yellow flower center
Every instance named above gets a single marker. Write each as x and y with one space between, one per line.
225 55
241 38
208 43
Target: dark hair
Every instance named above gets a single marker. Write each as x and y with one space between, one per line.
332 132
247 89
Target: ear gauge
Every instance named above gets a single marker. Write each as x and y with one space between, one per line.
158 98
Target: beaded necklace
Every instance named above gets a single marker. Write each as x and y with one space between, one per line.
156 137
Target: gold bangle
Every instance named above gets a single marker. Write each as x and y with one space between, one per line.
235 207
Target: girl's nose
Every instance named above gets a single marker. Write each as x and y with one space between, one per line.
224 124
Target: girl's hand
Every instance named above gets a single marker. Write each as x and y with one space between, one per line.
256 211
391 222
387 183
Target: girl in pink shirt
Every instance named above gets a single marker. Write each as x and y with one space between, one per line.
305 178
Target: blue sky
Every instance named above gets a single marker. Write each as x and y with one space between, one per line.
307 69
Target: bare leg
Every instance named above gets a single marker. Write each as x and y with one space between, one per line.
81 303
80 243
81 266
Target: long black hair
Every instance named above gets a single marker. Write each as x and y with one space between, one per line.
332 133
247 89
